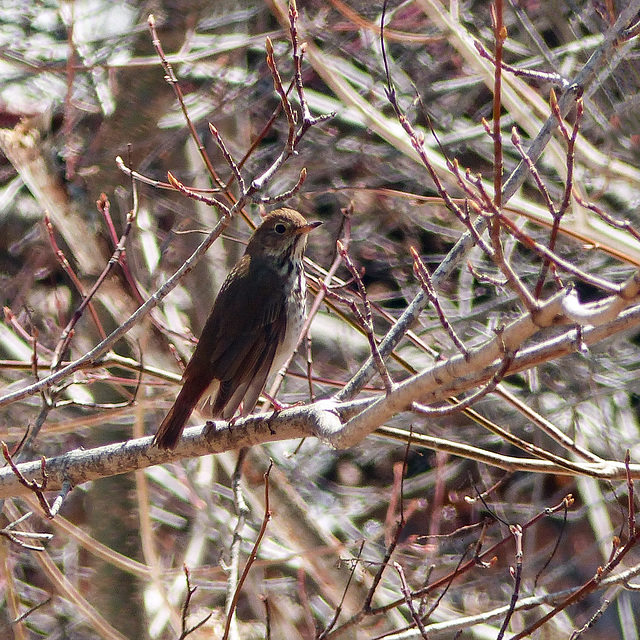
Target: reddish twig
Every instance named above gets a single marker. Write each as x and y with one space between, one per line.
194 195
67 334
365 319
563 264
284 100
500 35
185 631
228 157
425 280
66 267
308 120
558 212
170 77
11 319
624 225
533 170
38 488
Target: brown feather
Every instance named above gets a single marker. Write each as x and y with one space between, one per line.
246 328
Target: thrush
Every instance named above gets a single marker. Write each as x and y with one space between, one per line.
253 328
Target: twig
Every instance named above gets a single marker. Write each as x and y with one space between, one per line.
560 262
12 321
242 511
500 35
228 157
170 77
194 195
308 120
365 319
460 405
67 334
531 74
406 592
31 610
252 556
18 537
64 263
592 621
425 280
558 213
284 100
285 195
185 631
516 532
555 548
338 611
158 184
399 528
25 447
625 225
60 498
38 488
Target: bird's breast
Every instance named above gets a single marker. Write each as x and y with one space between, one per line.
296 315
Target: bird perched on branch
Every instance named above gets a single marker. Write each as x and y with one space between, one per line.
253 327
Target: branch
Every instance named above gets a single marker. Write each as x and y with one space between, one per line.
587 75
453 375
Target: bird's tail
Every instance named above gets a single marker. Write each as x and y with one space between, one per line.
173 424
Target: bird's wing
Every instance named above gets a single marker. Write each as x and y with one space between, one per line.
241 336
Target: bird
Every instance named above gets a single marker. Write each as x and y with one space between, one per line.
253 327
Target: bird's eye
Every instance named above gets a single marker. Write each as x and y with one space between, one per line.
280 228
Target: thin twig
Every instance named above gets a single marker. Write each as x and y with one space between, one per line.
242 512
460 405
38 488
338 611
366 319
186 631
425 280
228 157
170 77
406 592
67 334
516 532
500 35
64 263
252 556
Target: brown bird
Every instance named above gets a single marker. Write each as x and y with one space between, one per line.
253 327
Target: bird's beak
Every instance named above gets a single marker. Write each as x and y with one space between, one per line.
307 227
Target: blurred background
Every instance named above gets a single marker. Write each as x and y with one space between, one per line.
80 84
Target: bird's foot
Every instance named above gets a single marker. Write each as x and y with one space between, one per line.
280 406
